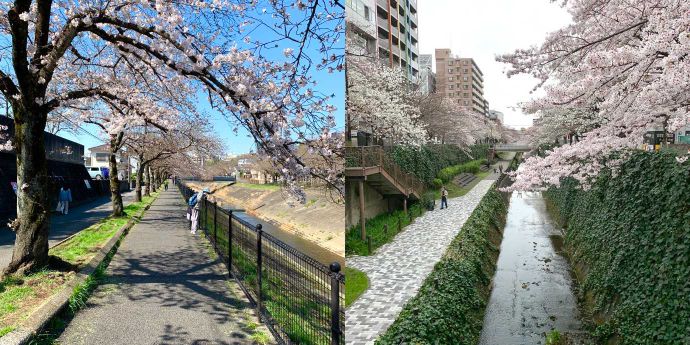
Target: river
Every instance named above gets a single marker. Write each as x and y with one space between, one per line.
305 246
532 291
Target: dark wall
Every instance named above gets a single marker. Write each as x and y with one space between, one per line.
57 148
59 173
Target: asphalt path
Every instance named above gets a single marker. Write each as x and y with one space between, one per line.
162 287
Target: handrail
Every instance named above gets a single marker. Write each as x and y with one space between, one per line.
376 156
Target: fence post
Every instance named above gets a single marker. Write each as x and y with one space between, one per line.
259 233
335 304
205 205
230 241
215 233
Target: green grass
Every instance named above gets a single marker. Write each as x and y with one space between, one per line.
354 245
258 186
455 191
356 282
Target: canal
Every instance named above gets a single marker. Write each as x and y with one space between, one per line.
533 291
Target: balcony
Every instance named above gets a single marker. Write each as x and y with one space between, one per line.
382 23
383 43
383 4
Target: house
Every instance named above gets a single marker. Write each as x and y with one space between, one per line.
99 155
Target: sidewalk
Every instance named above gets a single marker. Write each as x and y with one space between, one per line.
61 227
398 269
163 288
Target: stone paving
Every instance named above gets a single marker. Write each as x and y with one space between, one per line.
398 268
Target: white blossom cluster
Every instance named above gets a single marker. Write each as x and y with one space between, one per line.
620 69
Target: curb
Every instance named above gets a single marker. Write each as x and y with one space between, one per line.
52 307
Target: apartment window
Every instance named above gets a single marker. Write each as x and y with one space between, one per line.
464 62
466 94
465 79
367 14
450 78
465 70
465 86
450 63
450 70
450 94
465 103
450 87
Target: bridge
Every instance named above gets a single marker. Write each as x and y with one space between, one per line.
512 147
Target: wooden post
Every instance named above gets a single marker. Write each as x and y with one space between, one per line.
362 220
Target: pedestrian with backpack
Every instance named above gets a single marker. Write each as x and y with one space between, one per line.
195 203
444 197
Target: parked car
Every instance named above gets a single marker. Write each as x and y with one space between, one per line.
98 173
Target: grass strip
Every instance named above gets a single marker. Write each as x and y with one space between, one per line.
355 284
380 229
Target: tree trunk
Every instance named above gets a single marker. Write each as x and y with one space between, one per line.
32 225
147 191
140 173
115 195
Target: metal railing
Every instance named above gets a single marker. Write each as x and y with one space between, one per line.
376 156
300 299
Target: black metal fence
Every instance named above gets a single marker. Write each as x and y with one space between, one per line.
299 298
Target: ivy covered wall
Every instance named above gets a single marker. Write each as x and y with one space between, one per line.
629 240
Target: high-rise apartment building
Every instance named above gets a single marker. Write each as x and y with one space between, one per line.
386 29
461 80
396 22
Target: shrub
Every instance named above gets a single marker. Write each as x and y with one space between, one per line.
448 173
437 183
425 162
449 307
629 236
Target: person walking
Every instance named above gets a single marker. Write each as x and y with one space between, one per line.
444 197
64 198
165 185
195 201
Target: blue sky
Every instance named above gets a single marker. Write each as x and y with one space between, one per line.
327 83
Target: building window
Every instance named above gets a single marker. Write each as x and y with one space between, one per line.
465 79
367 14
464 62
464 102
450 63
102 156
465 86
466 95
465 70
450 78
450 70
450 87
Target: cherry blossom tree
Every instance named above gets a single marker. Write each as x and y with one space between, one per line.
55 55
624 65
380 100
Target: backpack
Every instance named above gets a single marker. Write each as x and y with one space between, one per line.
192 200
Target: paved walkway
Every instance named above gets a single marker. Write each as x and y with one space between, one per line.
61 227
163 288
398 268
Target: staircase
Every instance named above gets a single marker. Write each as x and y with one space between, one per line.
372 164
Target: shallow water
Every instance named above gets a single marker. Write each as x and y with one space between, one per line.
532 288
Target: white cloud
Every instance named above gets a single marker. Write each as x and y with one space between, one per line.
484 29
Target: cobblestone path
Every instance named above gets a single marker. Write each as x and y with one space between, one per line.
398 268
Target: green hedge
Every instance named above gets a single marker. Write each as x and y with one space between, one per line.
425 162
449 308
629 239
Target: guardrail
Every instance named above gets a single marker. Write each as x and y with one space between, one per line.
300 299
376 156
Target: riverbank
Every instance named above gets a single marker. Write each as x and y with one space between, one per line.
319 220
628 238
